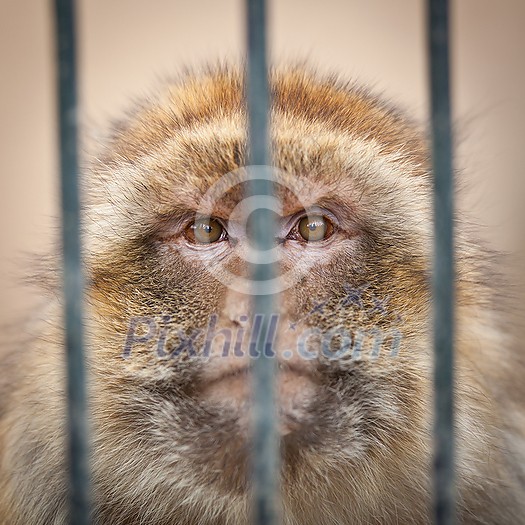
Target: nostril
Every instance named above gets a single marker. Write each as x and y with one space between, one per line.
239 321
237 307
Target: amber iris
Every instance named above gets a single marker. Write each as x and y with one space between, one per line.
205 231
315 228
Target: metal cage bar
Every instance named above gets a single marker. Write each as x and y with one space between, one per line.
443 271
265 457
72 264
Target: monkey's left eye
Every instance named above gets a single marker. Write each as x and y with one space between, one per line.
205 231
314 228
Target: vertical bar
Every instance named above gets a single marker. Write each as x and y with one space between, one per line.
265 461
72 263
443 273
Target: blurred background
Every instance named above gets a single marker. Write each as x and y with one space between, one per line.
125 46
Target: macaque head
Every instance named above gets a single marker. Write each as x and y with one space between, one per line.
172 326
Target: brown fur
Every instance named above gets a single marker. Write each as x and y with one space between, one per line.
362 454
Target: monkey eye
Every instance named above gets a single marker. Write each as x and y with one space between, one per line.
205 231
314 228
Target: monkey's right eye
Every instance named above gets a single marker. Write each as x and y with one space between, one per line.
205 231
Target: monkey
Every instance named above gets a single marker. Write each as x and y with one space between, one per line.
170 325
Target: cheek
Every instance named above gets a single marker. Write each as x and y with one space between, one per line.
151 285
184 279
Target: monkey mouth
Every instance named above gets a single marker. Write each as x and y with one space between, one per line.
296 386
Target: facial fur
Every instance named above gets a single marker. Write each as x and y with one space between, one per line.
170 440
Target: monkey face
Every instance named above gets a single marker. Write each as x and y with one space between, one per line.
172 322
171 328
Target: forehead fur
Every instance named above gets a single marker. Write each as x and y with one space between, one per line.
296 92
337 137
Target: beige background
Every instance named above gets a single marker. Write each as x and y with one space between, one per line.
125 45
